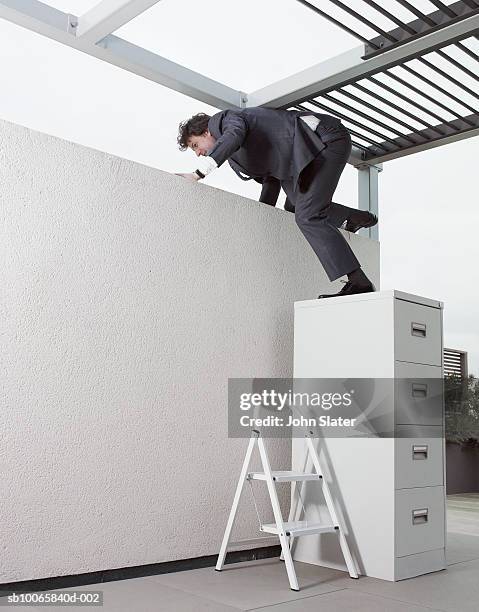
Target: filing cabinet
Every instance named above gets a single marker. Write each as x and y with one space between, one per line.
418 394
417 333
390 490
419 456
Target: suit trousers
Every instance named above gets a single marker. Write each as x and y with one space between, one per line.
316 215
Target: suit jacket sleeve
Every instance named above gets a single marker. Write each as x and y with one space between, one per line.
234 132
270 191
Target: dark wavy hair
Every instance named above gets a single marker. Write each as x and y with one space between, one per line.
196 126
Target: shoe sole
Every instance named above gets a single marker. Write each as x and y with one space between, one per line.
372 223
332 295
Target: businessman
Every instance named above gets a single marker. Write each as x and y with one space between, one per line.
302 152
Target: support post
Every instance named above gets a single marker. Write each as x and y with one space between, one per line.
368 194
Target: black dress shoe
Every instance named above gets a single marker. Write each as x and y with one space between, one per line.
349 289
368 220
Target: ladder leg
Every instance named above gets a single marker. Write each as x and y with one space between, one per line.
295 510
353 572
348 558
283 538
292 513
234 507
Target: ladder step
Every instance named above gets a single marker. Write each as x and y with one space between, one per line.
286 476
299 528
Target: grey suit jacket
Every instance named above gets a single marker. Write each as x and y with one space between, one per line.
263 143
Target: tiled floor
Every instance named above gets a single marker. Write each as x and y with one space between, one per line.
262 585
463 513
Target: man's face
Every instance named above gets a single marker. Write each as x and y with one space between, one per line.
201 145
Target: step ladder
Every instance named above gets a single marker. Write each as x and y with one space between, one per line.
290 529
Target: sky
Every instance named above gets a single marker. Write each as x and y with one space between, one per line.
429 203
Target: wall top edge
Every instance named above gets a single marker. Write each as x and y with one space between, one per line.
390 294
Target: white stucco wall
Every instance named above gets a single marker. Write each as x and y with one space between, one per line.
128 297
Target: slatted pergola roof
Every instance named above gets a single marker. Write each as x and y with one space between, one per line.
412 84
425 95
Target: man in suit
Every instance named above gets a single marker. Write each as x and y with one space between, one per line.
302 152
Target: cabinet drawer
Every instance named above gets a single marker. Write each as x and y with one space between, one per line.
419 460
420 516
419 394
421 563
417 333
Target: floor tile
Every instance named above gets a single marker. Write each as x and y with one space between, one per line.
345 601
455 589
144 595
254 584
463 513
461 547
5 606
264 585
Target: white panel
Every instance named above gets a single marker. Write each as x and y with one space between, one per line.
357 328
361 477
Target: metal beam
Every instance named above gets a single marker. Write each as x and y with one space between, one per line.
463 130
356 157
38 17
109 15
368 194
167 73
336 22
350 67
421 26
57 25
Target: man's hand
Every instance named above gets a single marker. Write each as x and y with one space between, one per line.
191 176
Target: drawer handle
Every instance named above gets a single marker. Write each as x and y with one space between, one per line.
419 452
418 329
419 517
419 390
